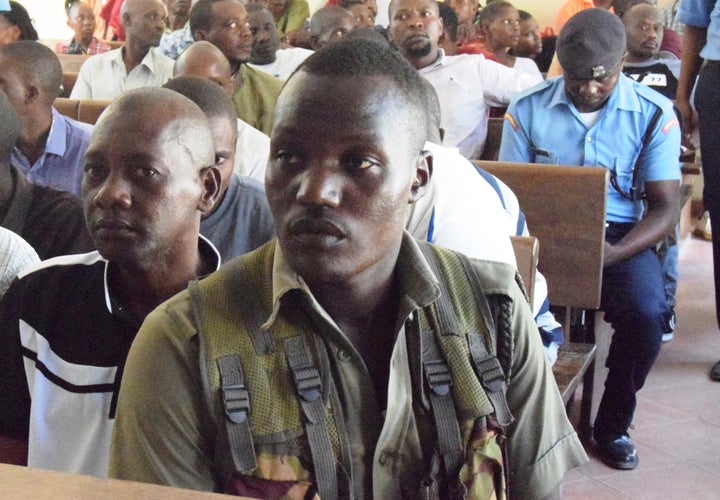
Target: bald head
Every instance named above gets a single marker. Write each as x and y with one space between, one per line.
149 177
161 114
204 60
644 30
143 21
622 6
330 24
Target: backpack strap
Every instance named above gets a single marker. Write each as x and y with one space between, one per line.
487 365
439 380
437 375
236 441
234 448
309 388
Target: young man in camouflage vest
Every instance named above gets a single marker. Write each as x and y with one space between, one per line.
346 359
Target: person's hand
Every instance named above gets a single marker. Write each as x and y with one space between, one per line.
688 115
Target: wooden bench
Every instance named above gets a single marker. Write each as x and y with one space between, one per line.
68 82
83 110
72 62
565 210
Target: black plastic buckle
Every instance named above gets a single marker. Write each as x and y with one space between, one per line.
308 383
490 373
236 401
438 376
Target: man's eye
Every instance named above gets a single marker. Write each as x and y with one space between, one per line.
146 172
232 25
220 160
360 163
93 170
287 159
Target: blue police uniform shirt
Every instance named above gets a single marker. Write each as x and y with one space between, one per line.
543 126
703 14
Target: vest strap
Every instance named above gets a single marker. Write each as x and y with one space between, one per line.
309 387
237 443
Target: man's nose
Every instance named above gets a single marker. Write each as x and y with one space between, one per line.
320 185
113 192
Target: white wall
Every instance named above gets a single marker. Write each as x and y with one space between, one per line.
49 17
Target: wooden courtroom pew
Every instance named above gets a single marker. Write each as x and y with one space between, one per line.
565 210
22 483
72 62
68 82
83 110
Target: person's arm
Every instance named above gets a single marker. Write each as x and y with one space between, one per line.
663 204
13 451
82 88
542 444
515 144
694 39
161 433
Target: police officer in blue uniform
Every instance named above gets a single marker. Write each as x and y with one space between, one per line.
594 115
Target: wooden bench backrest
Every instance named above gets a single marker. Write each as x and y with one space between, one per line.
72 62
83 110
565 211
68 82
526 255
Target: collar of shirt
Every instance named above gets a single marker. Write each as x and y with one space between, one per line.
115 307
57 138
439 61
418 283
622 96
149 61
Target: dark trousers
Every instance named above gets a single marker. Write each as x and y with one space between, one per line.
707 102
634 301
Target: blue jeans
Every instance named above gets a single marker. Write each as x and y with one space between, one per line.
634 301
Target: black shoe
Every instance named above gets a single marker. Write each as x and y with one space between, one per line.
619 453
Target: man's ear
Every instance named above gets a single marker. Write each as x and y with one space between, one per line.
31 93
211 180
314 42
126 20
199 35
423 172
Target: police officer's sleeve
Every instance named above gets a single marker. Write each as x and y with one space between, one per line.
515 145
161 434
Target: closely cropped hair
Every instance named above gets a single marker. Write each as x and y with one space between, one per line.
9 128
208 95
524 15
18 16
346 4
492 10
450 20
201 16
359 57
40 66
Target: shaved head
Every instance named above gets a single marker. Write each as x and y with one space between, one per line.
204 60
34 64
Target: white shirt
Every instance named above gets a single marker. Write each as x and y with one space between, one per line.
466 213
286 60
467 86
526 66
103 76
252 151
15 255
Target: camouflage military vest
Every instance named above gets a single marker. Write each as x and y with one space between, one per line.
277 436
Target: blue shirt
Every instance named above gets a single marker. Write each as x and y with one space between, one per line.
61 164
703 14
543 126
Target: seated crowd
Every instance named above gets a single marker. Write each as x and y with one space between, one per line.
269 224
